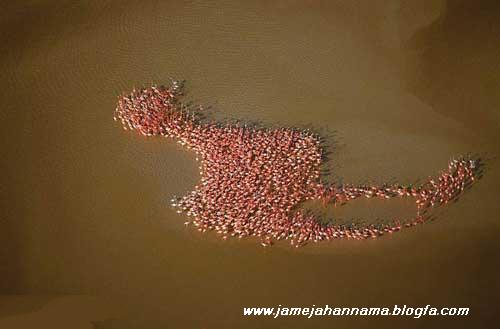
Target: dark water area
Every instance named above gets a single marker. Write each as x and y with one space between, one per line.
397 88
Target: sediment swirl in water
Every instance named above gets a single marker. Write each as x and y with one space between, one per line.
253 180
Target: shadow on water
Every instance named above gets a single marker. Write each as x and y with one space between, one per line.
457 70
12 305
105 324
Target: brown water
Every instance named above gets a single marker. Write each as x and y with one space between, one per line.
397 87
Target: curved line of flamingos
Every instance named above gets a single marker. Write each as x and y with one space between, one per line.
252 180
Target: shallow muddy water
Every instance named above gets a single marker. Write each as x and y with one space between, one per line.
397 88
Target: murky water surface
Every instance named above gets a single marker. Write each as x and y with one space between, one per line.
396 88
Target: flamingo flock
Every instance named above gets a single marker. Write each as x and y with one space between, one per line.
254 180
